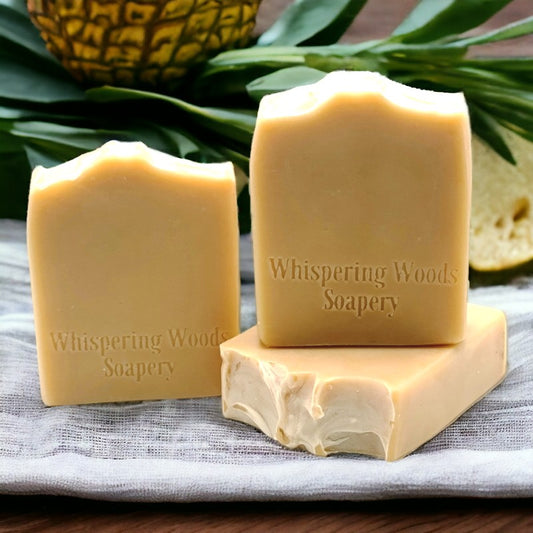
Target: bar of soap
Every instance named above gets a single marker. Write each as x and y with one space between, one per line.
134 272
380 401
360 194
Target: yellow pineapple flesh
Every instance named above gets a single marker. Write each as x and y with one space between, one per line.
140 43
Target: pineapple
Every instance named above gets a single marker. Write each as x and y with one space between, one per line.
140 43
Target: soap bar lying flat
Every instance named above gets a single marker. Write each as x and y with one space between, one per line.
134 272
379 401
360 192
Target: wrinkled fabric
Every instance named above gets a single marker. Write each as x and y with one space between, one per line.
185 451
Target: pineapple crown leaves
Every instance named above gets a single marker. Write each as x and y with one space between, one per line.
46 117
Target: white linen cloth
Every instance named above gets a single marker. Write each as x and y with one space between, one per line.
185 451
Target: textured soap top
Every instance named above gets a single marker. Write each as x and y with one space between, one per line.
306 98
131 152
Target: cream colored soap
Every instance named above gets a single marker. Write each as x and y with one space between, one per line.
134 272
360 192
379 401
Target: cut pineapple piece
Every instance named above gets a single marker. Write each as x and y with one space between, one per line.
501 228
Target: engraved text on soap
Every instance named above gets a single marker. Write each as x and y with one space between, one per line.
379 277
114 349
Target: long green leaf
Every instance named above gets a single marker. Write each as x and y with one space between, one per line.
336 29
49 144
506 122
14 183
514 119
8 143
48 154
434 19
27 82
487 129
243 161
239 124
273 57
14 112
52 146
480 78
433 53
78 138
312 22
240 164
18 29
282 80
285 56
183 145
509 31
220 86
519 66
16 5
228 73
485 87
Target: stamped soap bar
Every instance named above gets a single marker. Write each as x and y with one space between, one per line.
360 191
134 273
379 401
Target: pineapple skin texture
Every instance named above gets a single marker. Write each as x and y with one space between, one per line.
140 43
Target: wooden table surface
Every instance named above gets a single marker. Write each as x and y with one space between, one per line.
51 514
68 515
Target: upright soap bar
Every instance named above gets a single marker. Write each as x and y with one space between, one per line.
379 401
134 273
360 192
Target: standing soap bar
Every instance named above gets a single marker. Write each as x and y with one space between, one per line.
360 190
134 271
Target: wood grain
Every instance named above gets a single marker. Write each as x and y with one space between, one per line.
43 514
66 515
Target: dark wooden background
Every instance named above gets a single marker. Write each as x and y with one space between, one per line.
58 514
